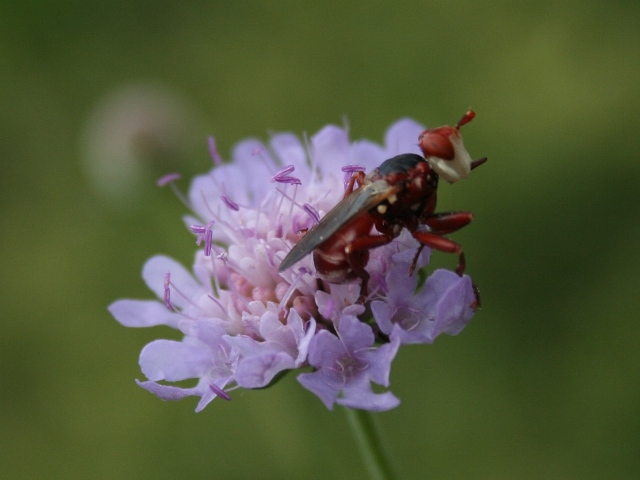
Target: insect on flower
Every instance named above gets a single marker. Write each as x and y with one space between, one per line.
400 193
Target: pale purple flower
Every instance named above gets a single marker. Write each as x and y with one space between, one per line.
244 324
347 363
445 304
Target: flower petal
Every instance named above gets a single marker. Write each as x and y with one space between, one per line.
154 272
315 383
167 392
258 371
355 334
402 137
380 361
361 396
330 148
173 361
143 313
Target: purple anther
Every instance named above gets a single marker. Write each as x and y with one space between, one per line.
289 180
167 290
204 233
229 203
353 168
219 392
169 178
213 151
312 212
208 236
282 176
282 173
349 170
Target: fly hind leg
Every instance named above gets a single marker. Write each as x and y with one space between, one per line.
441 224
438 242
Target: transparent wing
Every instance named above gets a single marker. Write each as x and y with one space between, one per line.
361 200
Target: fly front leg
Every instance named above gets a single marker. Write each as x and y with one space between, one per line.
358 255
356 177
438 242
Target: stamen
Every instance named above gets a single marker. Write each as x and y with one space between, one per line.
208 236
312 212
213 151
168 178
353 168
349 170
290 180
282 176
282 172
184 297
229 203
219 392
167 291
204 233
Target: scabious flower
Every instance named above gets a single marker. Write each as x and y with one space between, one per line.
245 324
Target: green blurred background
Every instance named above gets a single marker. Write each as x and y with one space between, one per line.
543 384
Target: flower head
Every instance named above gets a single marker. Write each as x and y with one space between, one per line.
245 323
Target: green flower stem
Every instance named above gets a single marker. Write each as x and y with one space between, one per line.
367 437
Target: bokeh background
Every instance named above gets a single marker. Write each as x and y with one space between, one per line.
98 100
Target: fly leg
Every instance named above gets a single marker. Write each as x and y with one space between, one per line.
444 223
437 242
358 255
356 177
433 240
441 224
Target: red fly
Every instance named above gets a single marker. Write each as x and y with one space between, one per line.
400 193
